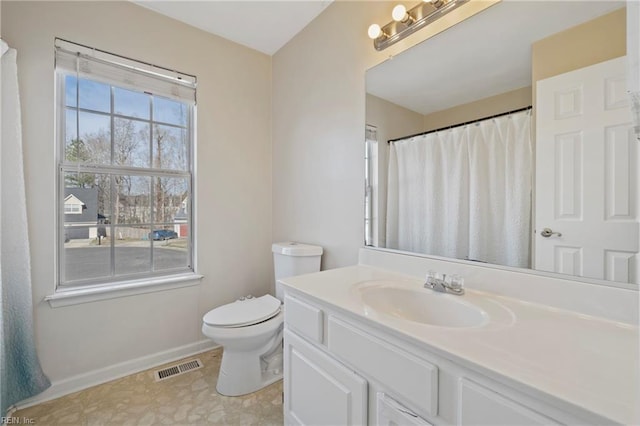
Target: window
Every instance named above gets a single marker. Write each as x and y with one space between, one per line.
73 209
125 154
371 186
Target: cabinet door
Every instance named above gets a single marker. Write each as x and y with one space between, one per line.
482 406
318 390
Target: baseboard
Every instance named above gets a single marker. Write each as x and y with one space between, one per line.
92 378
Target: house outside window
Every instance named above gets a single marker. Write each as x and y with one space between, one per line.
72 205
125 155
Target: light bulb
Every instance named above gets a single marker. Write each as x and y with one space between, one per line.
399 13
374 31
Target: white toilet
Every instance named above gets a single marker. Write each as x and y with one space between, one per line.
250 329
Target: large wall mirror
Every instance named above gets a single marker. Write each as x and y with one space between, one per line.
507 140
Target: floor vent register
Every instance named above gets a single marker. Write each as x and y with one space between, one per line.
176 370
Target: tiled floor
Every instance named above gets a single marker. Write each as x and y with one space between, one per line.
187 399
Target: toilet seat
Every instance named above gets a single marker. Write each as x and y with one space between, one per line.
243 313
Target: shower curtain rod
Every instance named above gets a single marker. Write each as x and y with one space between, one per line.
462 124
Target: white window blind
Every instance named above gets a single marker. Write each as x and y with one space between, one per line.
95 64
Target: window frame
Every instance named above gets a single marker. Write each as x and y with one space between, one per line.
121 281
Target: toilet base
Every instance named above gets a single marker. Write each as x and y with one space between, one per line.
242 373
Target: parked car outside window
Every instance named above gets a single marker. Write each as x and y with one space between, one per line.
163 234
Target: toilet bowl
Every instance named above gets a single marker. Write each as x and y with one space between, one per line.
250 332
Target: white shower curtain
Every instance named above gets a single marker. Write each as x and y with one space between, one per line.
428 185
20 372
464 192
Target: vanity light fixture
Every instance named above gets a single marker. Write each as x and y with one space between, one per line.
406 22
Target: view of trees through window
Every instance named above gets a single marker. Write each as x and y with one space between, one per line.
126 160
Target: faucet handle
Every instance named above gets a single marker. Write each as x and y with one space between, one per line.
433 275
455 282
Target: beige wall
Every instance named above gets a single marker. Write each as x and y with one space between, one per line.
391 120
586 44
486 107
233 202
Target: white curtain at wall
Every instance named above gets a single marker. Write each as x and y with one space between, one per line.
464 192
20 372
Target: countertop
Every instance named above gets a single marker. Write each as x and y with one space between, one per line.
590 362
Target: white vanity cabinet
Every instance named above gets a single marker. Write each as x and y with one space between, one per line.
343 370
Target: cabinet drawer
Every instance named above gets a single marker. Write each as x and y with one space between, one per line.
479 405
303 318
409 378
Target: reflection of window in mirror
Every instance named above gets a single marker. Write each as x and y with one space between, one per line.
370 185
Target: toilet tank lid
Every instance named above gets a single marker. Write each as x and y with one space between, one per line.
291 248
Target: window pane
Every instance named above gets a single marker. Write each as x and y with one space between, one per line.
131 143
169 197
95 96
95 134
171 247
169 147
131 104
133 199
70 90
73 149
132 250
168 111
93 192
83 257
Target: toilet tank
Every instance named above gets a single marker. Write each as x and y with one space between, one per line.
291 258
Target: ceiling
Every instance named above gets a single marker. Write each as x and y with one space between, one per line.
265 25
488 54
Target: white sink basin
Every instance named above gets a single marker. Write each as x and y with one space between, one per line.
419 305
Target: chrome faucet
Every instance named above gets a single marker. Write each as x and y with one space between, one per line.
452 284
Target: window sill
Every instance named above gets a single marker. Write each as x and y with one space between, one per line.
77 296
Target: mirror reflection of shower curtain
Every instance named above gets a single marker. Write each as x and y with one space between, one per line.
464 192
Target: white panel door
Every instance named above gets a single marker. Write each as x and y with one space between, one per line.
586 218
319 390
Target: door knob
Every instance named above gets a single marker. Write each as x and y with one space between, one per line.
547 232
